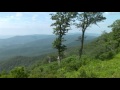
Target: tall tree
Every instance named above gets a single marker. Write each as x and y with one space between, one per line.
62 25
86 19
116 32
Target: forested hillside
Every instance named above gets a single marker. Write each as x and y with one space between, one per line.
90 66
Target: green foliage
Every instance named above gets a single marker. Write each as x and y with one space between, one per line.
19 72
3 74
104 47
19 61
116 31
71 67
106 55
101 69
71 63
68 68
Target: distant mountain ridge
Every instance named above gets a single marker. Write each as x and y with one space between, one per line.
34 45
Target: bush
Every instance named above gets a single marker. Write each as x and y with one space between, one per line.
107 55
19 72
3 74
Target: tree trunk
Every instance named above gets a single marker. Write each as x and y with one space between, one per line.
59 60
49 59
82 43
59 50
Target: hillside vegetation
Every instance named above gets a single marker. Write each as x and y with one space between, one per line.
71 67
97 62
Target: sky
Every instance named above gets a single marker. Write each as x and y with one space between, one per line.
28 23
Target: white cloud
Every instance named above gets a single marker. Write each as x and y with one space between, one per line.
107 13
111 13
34 17
19 14
8 18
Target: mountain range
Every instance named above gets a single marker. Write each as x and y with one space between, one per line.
35 45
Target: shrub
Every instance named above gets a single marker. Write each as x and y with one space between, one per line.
107 55
19 72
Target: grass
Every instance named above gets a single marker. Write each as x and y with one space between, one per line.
71 67
101 69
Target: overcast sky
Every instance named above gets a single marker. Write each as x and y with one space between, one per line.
27 23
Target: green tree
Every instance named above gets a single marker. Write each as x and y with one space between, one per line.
62 25
86 19
116 32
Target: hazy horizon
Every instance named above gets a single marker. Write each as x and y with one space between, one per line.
9 36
